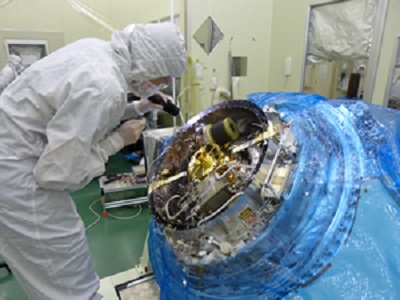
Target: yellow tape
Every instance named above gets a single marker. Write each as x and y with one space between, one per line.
231 128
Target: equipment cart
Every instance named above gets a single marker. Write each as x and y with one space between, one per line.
123 189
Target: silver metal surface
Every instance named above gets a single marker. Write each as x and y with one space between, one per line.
177 155
125 202
232 216
142 289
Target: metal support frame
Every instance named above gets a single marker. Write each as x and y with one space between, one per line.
377 39
123 202
391 72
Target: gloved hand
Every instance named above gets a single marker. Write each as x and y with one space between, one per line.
167 102
130 131
144 105
165 97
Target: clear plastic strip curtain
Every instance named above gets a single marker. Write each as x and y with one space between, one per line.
4 3
341 31
91 14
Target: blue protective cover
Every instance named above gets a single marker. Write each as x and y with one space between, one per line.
286 103
347 178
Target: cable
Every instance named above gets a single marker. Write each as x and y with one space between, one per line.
96 214
127 218
183 91
98 217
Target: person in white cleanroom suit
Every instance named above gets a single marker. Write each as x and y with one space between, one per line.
58 125
10 71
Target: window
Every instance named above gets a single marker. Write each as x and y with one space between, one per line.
29 50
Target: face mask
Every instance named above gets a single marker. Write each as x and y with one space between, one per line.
144 89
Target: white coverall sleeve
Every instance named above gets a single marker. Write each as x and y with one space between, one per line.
6 77
131 111
77 150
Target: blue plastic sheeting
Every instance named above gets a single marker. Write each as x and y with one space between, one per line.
368 266
379 131
133 156
341 145
377 128
286 103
